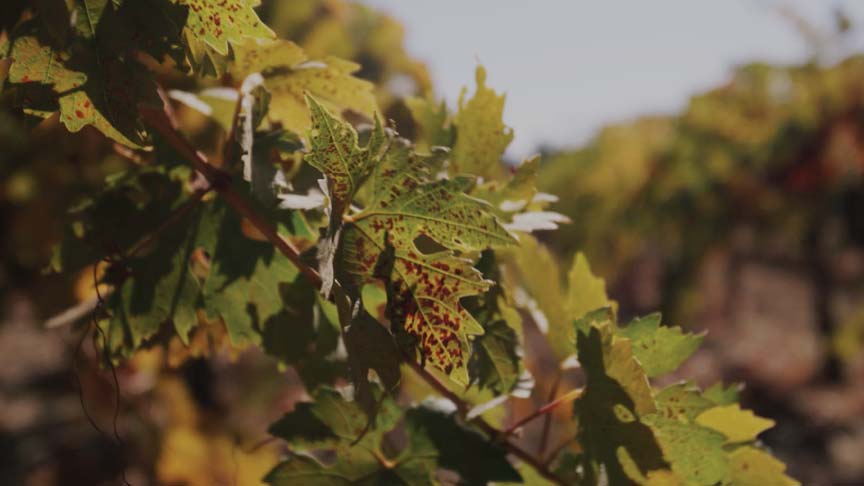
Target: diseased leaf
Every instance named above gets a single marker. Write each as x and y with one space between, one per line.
102 92
736 424
425 288
334 151
214 25
681 401
481 136
660 349
289 76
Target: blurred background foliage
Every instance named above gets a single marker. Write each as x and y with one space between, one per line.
743 215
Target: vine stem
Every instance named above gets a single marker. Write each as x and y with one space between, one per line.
547 420
490 430
83 308
163 122
545 409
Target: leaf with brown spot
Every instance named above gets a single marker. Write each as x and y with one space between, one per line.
425 289
101 92
214 25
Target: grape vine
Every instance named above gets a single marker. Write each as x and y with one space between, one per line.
397 275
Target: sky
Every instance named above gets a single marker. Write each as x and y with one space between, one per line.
569 67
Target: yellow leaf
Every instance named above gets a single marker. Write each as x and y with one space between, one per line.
289 75
752 467
481 136
736 424
586 292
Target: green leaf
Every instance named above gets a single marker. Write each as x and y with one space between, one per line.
695 453
681 401
425 287
481 136
289 76
431 119
497 358
736 424
93 91
586 292
660 349
553 308
333 423
617 396
120 27
477 460
243 285
720 395
371 347
161 288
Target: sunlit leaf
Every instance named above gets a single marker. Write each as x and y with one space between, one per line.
481 136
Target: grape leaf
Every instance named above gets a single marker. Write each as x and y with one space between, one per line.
331 422
161 288
121 27
214 25
751 466
660 349
425 288
474 457
289 76
431 119
736 424
695 453
334 151
517 202
682 401
100 91
481 136
371 347
497 359
586 292
617 395
244 279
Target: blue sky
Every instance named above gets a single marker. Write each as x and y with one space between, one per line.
570 66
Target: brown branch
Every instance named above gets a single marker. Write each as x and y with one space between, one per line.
547 420
544 410
172 219
81 309
161 121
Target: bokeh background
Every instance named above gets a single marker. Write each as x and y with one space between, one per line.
709 154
